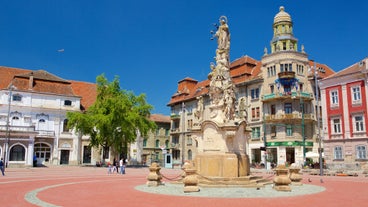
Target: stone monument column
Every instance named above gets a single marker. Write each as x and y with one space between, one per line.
220 135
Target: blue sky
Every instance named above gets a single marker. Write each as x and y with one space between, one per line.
151 45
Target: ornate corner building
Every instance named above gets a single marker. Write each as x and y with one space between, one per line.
277 95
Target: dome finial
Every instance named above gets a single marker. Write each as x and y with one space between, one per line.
282 8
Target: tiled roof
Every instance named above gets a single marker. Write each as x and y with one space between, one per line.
241 70
355 68
44 82
325 72
87 92
160 118
42 75
7 74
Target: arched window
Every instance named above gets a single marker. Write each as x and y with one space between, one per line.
190 155
65 126
42 151
17 153
167 144
157 144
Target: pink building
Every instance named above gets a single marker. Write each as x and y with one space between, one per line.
345 119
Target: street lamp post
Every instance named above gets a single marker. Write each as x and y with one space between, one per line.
303 127
182 132
7 138
318 121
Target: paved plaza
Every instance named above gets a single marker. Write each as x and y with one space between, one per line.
92 186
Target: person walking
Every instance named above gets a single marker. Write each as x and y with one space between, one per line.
2 166
121 163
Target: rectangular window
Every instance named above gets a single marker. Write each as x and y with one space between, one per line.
334 98
255 113
289 130
256 132
255 93
336 125
361 152
273 131
288 108
189 141
67 103
359 123
338 153
356 93
17 97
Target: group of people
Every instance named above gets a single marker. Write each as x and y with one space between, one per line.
115 166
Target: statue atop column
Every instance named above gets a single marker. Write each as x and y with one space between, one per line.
221 86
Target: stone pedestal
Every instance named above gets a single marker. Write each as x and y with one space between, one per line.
190 180
154 177
226 165
282 180
295 176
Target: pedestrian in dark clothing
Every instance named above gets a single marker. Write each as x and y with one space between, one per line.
2 166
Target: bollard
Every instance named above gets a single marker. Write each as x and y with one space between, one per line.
190 180
154 177
282 180
295 176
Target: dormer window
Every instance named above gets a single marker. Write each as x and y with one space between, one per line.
67 103
17 97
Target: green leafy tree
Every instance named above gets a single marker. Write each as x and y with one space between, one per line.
115 117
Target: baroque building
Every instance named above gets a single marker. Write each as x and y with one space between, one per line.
344 99
276 95
33 122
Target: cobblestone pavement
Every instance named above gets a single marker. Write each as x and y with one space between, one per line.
91 186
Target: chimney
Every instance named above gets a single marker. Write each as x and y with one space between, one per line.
30 87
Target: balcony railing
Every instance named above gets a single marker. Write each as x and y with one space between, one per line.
18 128
175 116
287 95
288 117
28 129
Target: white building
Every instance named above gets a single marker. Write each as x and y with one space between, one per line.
33 107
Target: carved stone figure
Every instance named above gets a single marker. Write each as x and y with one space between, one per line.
198 113
223 34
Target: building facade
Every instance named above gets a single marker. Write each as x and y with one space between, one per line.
277 95
154 146
33 124
344 98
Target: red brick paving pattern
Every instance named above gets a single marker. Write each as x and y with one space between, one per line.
89 186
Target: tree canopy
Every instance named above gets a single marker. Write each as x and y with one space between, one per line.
115 117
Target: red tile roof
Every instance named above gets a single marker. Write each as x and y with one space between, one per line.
355 68
41 81
160 118
87 92
241 70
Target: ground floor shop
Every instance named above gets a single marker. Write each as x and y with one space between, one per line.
279 153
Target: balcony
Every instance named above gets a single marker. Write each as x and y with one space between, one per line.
289 118
286 75
21 129
175 131
175 116
290 95
27 130
45 133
